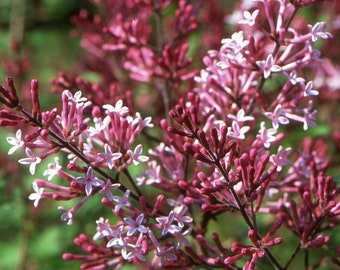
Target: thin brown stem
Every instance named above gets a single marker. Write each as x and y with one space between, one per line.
292 257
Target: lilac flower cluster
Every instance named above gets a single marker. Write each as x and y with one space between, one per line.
221 147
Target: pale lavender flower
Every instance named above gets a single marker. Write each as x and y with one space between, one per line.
319 31
109 157
280 159
181 238
309 117
90 180
166 224
277 117
308 89
151 175
146 122
131 251
99 125
17 142
163 254
135 225
37 195
103 229
268 66
67 215
136 155
107 188
266 135
32 160
122 202
179 215
292 76
175 203
117 240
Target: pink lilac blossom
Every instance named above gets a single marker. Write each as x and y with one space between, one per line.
212 147
17 142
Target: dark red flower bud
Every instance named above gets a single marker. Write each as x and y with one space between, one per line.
36 112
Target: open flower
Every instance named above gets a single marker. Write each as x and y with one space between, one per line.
17 142
268 66
135 225
32 160
249 18
136 156
90 180
109 157
37 195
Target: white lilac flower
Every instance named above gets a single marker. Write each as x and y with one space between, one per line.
236 131
118 108
17 142
249 18
37 195
32 160
53 169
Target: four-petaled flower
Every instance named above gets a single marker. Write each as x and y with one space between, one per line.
318 31
53 169
277 117
151 175
240 116
37 195
89 181
292 76
131 251
236 131
67 215
122 201
266 135
103 229
135 225
107 189
110 157
249 18
236 43
118 108
17 142
117 240
166 224
308 89
280 159
179 216
309 117
268 66
32 160
76 98
136 156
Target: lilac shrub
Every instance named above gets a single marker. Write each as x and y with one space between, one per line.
212 142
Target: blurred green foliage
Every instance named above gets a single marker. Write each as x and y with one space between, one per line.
36 238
